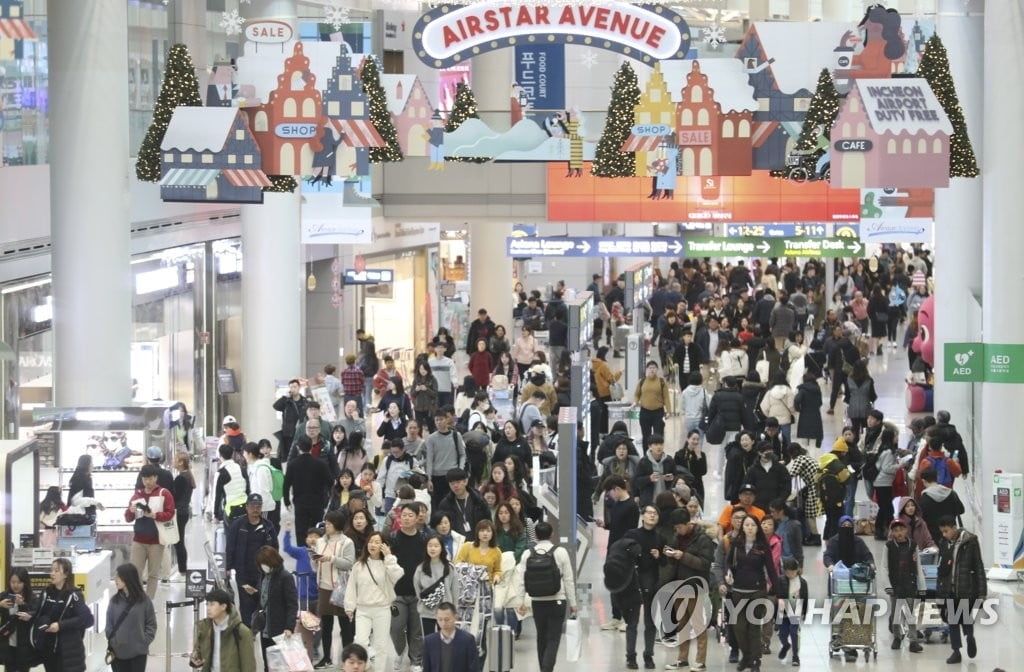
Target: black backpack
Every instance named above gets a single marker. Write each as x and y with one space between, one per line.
542 577
462 424
620 565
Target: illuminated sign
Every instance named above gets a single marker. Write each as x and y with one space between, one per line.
295 130
370 276
521 248
268 31
447 34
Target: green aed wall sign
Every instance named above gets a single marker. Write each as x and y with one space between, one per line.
984 362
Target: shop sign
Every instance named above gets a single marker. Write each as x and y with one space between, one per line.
851 145
369 276
776 230
347 226
909 230
447 34
964 362
402 235
651 130
772 247
290 131
540 74
268 31
520 248
698 138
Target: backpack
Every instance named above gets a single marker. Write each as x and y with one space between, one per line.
830 464
277 478
833 493
869 472
620 565
941 467
462 424
542 577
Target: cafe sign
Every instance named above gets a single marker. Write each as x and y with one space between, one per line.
448 34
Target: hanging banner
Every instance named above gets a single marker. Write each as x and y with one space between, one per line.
908 230
540 74
447 34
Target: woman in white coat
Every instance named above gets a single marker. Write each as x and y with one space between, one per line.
368 597
794 354
777 403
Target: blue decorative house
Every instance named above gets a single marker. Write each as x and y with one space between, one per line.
13 25
351 132
210 155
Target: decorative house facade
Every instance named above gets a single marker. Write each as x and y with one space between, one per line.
890 136
348 114
410 110
711 142
209 154
655 109
13 25
288 127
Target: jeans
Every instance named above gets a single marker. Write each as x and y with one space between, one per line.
851 496
284 446
652 422
149 560
785 430
632 617
445 398
884 516
548 616
441 489
406 628
367 395
789 635
372 625
963 624
136 664
838 380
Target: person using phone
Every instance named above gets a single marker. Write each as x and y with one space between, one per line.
234 639
16 609
61 622
369 596
150 506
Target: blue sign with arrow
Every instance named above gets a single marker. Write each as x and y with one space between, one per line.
592 247
776 230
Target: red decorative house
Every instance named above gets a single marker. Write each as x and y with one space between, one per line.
711 142
288 126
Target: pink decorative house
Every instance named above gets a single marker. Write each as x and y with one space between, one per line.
890 133
410 111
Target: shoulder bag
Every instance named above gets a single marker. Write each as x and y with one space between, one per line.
167 530
433 595
109 658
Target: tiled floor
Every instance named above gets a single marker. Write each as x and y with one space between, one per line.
605 650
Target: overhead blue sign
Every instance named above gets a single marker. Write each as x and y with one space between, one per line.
777 230
592 247
540 74
371 276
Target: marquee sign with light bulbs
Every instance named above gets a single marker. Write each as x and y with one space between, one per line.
449 34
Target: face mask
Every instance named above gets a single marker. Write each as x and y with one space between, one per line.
265 568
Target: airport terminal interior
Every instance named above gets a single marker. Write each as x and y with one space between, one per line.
273 262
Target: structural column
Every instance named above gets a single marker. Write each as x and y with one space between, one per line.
490 272
92 283
838 11
273 286
958 267
492 86
1003 236
187 24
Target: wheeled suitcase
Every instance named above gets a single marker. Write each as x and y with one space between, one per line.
499 648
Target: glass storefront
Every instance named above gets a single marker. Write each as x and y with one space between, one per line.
167 332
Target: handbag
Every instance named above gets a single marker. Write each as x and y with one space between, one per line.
615 391
338 593
763 367
259 620
168 532
433 595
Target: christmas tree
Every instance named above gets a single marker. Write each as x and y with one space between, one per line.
463 108
934 67
281 184
821 114
180 87
608 160
379 115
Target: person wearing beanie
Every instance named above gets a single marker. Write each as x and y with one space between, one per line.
907 581
164 478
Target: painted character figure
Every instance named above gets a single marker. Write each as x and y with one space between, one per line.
883 47
435 139
221 90
665 173
575 145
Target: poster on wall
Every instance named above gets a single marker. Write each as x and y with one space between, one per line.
110 450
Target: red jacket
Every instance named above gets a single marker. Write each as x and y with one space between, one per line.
145 527
480 367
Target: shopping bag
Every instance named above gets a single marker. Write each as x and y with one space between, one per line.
573 640
288 655
168 532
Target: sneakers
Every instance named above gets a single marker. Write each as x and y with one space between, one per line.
622 627
896 642
669 641
734 655
649 663
612 624
972 647
796 661
678 665
324 663
784 651
416 668
954 659
631 664
698 667
766 649
915 647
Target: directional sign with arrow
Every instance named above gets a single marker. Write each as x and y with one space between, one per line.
772 247
592 247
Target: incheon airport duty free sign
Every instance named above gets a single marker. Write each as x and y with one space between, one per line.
449 34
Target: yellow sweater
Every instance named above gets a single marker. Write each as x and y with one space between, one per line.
491 558
651 394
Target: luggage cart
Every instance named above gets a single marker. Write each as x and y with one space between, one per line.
852 619
929 607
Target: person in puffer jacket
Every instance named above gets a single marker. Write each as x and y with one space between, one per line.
655 473
778 403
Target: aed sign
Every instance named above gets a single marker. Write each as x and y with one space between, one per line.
292 131
694 137
268 31
447 34
853 145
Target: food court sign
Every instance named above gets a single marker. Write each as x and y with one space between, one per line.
449 34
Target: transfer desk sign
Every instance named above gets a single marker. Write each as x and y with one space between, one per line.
772 247
448 34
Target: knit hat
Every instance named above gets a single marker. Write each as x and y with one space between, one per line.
899 522
845 519
840 446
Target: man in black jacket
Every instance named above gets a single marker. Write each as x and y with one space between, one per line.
481 327
952 441
691 555
841 351
311 481
465 507
771 479
409 547
647 572
727 403
655 473
244 538
961 582
293 411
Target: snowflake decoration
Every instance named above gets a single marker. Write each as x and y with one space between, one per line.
336 15
231 22
588 59
714 37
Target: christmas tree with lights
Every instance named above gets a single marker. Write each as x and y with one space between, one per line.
608 160
180 88
379 115
934 67
463 108
821 114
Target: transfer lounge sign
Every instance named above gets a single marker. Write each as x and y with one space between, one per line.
448 34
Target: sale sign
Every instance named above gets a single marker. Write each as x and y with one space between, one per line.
447 34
